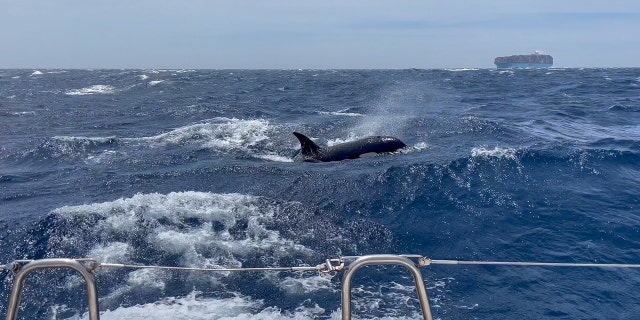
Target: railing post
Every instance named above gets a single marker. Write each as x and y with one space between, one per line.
18 285
380 260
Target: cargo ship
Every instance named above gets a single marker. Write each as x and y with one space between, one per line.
535 60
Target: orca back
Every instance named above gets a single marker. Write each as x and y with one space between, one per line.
310 151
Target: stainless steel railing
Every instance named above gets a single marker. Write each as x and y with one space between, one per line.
84 269
348 265
87 267
362 261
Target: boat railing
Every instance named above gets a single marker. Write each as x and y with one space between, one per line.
349 265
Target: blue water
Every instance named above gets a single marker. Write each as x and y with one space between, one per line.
194 168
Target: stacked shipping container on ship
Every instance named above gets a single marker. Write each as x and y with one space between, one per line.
535 60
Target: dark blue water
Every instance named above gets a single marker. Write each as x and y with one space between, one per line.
194 168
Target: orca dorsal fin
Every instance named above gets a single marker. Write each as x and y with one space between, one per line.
308 147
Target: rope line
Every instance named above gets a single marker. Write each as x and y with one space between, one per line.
535 264
133 266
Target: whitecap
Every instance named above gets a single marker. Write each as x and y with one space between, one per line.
36 73
70 146
86 140
95 89
341 113
274 157
496 152
23 113
462 69
471 307
220 134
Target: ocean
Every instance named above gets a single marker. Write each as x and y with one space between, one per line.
197 168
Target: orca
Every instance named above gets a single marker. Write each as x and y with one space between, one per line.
311 152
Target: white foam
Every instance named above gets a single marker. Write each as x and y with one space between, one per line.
143 77
196 307
198 244
496 152
204 230
341 113
274 158
105 156
85 140
471 307
147 279
421 146
155 82
95 89
69 146
36 73
173 71
305 285
385 301
249 137
220 133
115 252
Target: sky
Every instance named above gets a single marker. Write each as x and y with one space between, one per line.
320 34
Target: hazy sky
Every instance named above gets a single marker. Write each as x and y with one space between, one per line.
315 34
